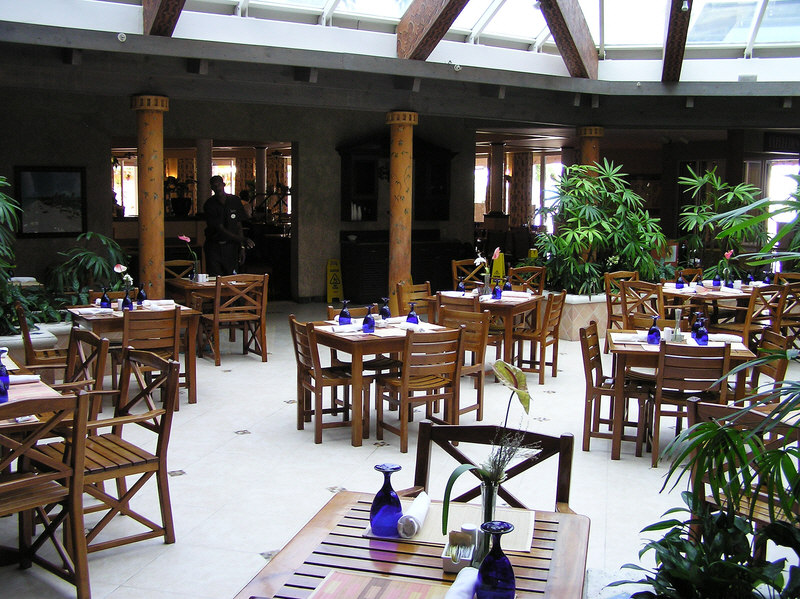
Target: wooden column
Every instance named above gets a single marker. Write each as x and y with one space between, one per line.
590 144
204 152
261 173
150 152
401 166
497 172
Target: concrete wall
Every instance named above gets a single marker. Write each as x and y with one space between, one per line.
54 129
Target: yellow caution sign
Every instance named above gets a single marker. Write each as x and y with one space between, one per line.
499 267
533 253
334 278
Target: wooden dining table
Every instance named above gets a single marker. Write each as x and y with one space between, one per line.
644 355
333 540
104 322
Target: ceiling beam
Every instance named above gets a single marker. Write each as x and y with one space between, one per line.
572 36
161 16
423 26
675 40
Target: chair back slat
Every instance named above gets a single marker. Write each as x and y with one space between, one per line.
177 269
472 274
529 277
641 301
613 288
464 303
407 293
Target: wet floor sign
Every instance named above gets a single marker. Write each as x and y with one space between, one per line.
334 278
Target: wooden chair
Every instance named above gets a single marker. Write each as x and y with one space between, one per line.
472 274
598 386
471 303
790 315
786 278
754 388
431 372
531 277
240 302
113 295
686 371
641 301
764 310
37 357
690 275
115 455
419 294
379 362
156 331
476 334
541 336
313 379
454 440
178 269
613 288
44 489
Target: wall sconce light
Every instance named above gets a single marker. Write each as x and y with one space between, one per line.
685 6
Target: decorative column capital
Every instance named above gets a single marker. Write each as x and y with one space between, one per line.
150 102
402 117
590 132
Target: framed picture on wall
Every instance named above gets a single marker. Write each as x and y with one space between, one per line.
52 199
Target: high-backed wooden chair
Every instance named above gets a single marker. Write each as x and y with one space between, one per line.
37 357
471 303
764 311
45 489
469 272
419 294
613 288
430 373
686 371
476 334
117 454
785 278
541 335
178 269
240 302
455 441
790 315
531 277
690 275
113 295
641 301
313 379
600 386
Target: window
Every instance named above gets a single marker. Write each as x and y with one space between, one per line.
125 185
779 187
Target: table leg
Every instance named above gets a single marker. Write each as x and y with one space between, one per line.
619 407
357 374
508 338
191 355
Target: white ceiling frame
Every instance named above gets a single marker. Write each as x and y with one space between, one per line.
484 19
326 18
762 9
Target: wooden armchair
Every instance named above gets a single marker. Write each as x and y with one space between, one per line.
530 277
476 334
466 270
37 357
178 269
540 336
542 447
641 301
613 288
46 489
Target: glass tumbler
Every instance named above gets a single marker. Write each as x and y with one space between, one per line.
386 510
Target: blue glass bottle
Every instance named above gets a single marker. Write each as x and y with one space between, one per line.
496 576
412 314
105 301
681 282
716 282
385 312
461 287
344 315
368 325
702 334
507 284
386 510
127 304
4 382
750 279
768 277
141 296
696 325
654 334
497 291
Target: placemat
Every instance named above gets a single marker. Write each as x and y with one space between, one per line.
338 585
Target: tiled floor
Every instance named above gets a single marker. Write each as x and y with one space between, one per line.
245 480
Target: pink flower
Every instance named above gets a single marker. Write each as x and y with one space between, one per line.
728 254
496 254
184 238
120 268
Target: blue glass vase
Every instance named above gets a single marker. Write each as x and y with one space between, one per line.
384 311
750 279
696 325
4 380
127 304
729 283
369 322
386 510
507 284
496 576
654 334
461 287
702 334
412 315
768 278
497 291
681 282
105 301
716 282
141 296
344 314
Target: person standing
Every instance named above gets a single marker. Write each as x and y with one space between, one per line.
224 234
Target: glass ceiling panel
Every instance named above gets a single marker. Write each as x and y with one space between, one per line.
721 21
781 22
305 3
638 23
518 19
591 10
470 14
376 8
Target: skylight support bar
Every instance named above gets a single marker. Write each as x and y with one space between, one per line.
327 12
540 39
762 9
241 8
601 49
484 20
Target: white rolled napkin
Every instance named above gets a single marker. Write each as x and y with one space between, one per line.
524 294
346 328
725 337
18 379
626 338
732 290
411 522
463 586
410 326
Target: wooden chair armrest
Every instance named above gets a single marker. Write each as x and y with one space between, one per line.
410 492
120 420
54 365
72 386
563 508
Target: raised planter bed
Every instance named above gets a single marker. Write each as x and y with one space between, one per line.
579 310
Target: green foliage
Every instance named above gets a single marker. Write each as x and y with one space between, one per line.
719 206
84 267
9 219
598 219
715 563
